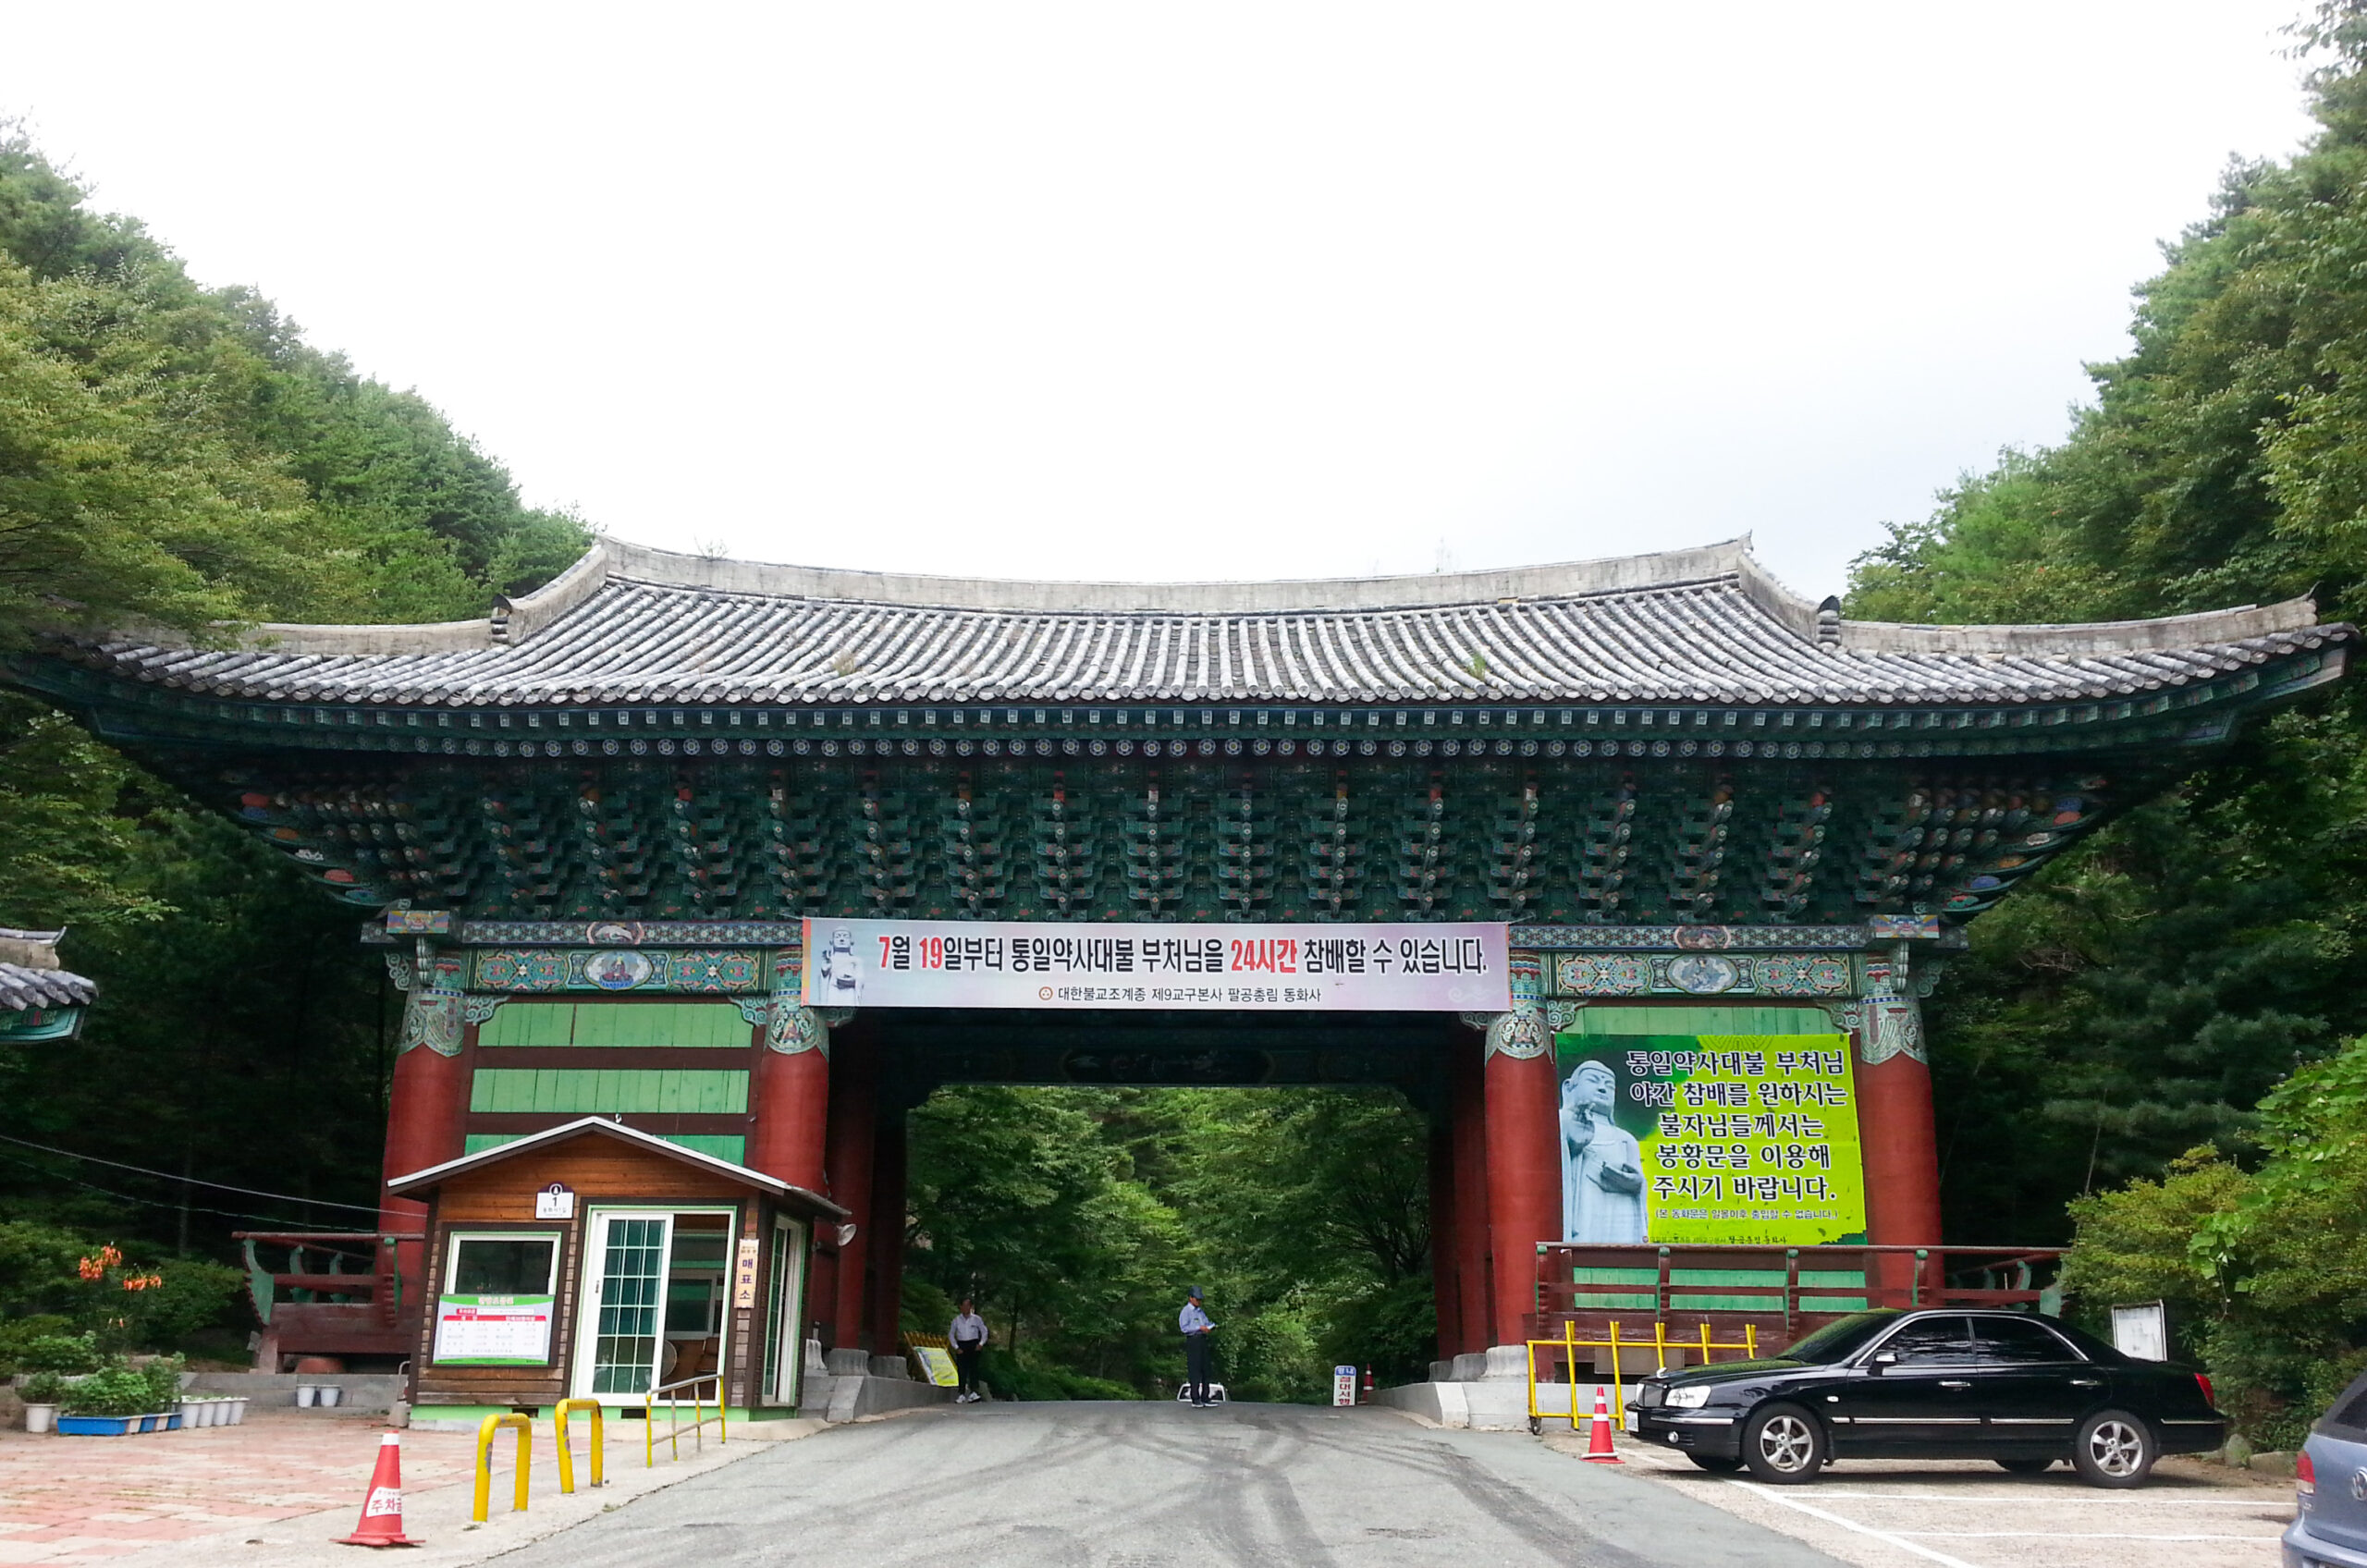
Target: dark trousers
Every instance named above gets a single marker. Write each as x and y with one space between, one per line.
1196 1367
965 1367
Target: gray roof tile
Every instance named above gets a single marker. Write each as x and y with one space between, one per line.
629 624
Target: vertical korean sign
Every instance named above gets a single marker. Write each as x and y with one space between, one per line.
1745 1139
1379 968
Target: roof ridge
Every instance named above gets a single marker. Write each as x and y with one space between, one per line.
1663 568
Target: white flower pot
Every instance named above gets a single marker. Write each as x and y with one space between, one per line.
305 1394
237 1413
40 1418
330 1395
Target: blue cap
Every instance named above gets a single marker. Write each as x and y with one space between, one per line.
1194 1293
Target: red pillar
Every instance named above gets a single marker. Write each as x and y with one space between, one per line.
1523 1176
888 1204
790 1094
853 1126
1896 1133
1473 1296
1443 1285
428 1101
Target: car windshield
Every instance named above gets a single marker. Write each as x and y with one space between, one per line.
1836 1339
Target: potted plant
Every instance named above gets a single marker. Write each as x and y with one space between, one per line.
41 1393
109 1403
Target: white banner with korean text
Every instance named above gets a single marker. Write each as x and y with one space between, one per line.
1377 968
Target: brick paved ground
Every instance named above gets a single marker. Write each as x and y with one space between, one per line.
85 1500
275 1491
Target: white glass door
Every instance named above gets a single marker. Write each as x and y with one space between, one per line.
619 1331
785 1350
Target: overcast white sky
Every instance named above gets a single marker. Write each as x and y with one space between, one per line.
1217 290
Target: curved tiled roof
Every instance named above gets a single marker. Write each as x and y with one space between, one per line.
628 624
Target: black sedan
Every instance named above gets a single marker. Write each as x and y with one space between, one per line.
2023 1391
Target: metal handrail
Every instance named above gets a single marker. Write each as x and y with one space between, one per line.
1660 1345
699 1418
600 1442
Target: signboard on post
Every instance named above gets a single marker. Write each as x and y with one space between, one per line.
1394 968
1343 1385
1747 1139
2142 1331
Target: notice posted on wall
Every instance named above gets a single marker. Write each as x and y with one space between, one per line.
1742 1139
1442 968
492 1330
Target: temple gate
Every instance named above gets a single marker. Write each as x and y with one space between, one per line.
1728 838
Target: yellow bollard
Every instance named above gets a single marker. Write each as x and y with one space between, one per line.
1618 1389
566 1458
486 1430
1570 1357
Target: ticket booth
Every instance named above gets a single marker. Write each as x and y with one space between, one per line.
596 1260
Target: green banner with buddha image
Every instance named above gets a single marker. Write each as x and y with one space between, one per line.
1709 1136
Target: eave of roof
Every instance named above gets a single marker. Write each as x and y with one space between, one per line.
434 1175
23 988
629 625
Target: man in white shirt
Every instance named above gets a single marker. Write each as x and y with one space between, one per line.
1197 1328
968 1337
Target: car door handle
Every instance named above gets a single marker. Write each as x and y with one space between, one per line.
2087 1383
1955 1382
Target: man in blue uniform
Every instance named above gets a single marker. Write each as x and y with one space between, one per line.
1196 1329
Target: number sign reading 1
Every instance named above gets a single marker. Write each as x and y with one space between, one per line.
492 1330
1442 968
555 1202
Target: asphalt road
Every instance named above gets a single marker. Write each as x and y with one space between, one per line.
1131 1486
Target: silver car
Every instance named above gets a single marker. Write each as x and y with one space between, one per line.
2330 1528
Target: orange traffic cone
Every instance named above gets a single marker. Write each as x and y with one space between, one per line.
1598 1433
382 1510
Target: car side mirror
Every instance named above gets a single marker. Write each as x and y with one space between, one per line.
1879 1364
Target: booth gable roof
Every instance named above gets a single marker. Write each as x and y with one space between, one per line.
628 624
435 1175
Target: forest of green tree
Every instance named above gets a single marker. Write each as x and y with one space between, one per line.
2148 1048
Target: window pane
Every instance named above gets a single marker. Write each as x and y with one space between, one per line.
2018 1342
686 1307
1934 1341
504 1267
700 1249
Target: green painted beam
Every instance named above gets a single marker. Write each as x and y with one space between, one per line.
608 1092
710 1025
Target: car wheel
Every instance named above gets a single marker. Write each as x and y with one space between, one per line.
1717 1465
1783 1444
2115 1449
2026 1466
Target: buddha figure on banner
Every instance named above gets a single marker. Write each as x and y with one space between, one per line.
1603 1167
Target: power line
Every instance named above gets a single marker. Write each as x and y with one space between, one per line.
191 1181
152 1203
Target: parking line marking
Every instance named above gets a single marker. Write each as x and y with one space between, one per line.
1970 1497
2068 1536
1888 1536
